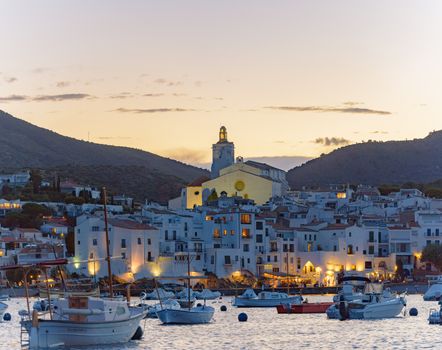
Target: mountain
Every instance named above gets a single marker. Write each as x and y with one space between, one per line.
374 163
122 169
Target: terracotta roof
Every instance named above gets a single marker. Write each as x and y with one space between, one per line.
129 224
335 227
27 230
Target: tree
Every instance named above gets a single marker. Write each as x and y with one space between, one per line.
36 180
432 253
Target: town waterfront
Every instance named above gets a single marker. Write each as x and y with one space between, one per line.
265 329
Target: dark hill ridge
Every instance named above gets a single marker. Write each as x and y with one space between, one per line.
375 163
24 145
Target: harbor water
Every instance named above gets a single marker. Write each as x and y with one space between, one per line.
265 329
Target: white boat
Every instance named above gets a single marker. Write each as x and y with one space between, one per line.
434 292
163 294
265 299
3 308
185 293
42 305
372 304
5 297
207 294
167 304
195 315
435 316
84 321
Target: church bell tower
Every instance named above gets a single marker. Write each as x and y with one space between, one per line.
223 153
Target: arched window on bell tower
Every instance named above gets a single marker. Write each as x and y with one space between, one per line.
223 134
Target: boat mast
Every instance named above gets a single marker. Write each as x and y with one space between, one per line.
188 276
288 285
106 230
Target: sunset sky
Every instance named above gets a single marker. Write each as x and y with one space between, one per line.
287 78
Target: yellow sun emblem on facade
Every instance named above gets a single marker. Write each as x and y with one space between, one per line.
240 185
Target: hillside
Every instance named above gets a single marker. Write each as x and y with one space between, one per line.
375 163
122 169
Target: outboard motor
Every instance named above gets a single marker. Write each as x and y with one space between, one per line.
343 308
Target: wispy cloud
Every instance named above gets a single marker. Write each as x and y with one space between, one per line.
10 79
122 95
40 70
62 97
379 132
166 82
332 141
352 103
325 109
41 98
151 110
13 98
153 95
62 84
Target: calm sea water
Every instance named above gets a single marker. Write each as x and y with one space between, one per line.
265 329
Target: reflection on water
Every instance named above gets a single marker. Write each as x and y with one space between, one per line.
266 329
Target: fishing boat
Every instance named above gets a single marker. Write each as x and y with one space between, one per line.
167 304
5 297
434 291
80 320
187 315
303 308
435 316
59 293
265 299
207 294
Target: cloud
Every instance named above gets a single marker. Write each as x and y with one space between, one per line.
163 81
278 141
151 110
352 103
13 98
10 79
40 70
153 95
187 155
332 141
62 97
122 95
379 132
349 110
62 84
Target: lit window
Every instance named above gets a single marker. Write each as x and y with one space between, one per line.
246 219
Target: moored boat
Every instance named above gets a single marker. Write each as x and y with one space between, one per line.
434 291
195 315
265 299
303 308
207 294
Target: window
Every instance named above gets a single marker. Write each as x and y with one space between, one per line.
78 230
437 232
95 228
78 242
284 248
123 255
349 234
259 225
245 248
309 237
298 263
292 248
94 241
174 235
371 236
198 257
258 238
436 241
225 232
216 233
368 265
123 243
166 235
371 250
268 258
335 248
350 249
149 242
246 219
428 231
245 233
314 237
212 259
139 240
248 260
149 256
428 242
275 258
305 237
227 260
232 232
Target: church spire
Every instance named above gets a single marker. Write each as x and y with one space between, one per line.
222 134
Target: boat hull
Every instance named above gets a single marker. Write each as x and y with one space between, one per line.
51 333
256 302
386 309
196 315
304 308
